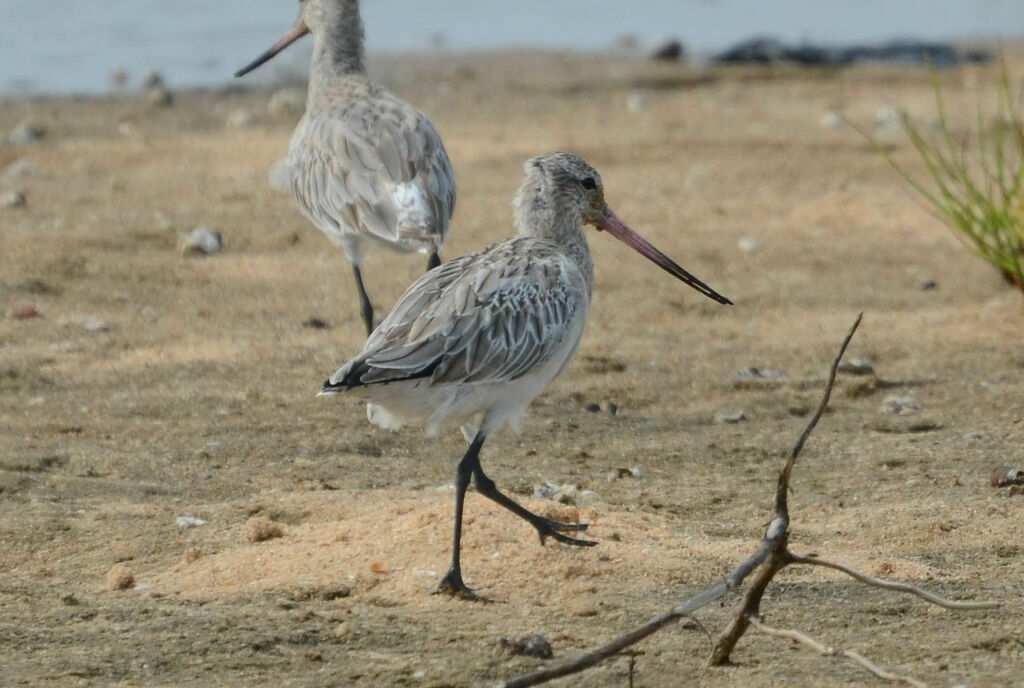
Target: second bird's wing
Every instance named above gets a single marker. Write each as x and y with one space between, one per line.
377 167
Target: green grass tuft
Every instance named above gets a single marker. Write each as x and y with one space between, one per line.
977 190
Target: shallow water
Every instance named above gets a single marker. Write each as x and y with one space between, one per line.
74 45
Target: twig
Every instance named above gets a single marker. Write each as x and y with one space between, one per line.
810 642
892 585
778 555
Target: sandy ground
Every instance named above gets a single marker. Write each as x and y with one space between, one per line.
198 397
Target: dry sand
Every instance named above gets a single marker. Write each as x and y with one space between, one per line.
198 398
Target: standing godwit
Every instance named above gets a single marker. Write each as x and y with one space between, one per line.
364 164
478 338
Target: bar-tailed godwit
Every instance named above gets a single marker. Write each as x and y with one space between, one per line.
475 340
364 165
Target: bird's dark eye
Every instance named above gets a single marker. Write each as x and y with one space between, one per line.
589 184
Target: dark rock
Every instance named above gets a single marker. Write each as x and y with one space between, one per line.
534 645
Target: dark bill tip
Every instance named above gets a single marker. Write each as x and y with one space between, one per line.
293 34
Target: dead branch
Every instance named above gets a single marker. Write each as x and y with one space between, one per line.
772 555
803 639
891 585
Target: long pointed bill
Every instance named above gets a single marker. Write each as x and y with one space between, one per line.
293 34
618 229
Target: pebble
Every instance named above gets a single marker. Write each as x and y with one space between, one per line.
611 407
239 119
1004 475
638 100
286 101
930 285
12 199
900 405
91 323
973 435
857 366
120 577
201 241
534 645
592 408
730 416
20 168
754 373
748 244
189 522
315 323
24 134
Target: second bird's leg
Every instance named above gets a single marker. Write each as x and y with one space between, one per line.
433 261
545 526
452 582
365 307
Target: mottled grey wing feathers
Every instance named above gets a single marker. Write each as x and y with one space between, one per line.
373 167
489 316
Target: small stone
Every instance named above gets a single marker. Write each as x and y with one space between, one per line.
12 199
315 323
20 168
192 555
900 405
534 645
159 96
930 285
189 522
564 494
26 311
592 408
261 528
973 435
239 119
620 473
286 101
638 100
730 416
611 407
857 366
378 567
91 323
25 133
120 577
1004 475
69 600
748 244
201 241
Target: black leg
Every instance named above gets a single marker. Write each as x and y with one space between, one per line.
452 581
366 308
433 261
545 526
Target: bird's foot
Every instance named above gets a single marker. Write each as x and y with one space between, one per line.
548 528
453 586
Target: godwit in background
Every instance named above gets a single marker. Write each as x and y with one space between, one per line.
477 339
364 165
